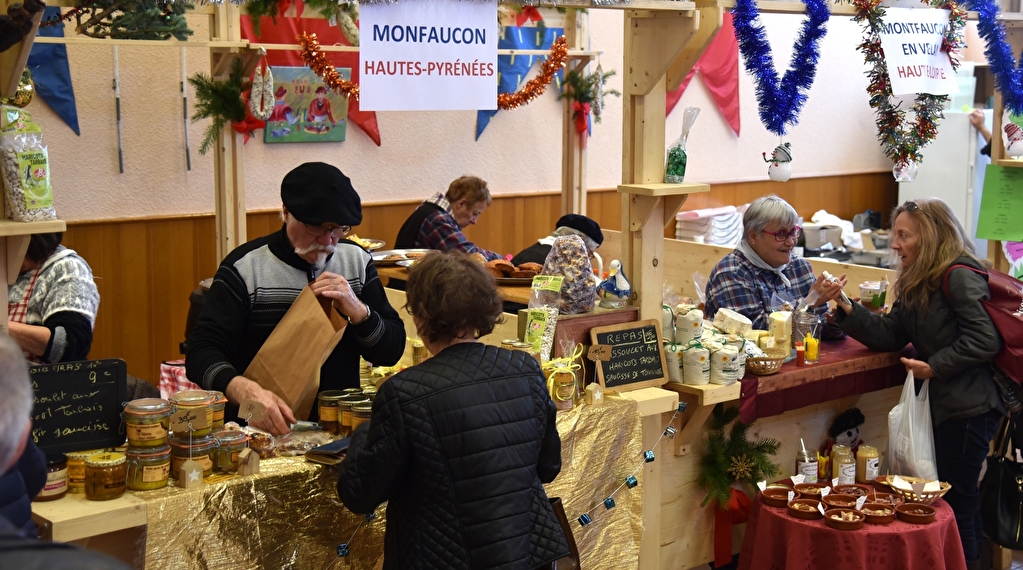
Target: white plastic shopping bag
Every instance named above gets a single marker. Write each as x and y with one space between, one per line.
910 435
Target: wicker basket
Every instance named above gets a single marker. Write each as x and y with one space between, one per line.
768 364
926 497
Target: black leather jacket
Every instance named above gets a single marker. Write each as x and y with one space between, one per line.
460 446
954 335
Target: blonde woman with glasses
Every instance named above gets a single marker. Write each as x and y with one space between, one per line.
954 340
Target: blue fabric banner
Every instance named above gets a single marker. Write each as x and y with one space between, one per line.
51 74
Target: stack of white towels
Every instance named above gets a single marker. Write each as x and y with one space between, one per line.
716 226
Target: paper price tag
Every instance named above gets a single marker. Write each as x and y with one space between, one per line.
825 492
820 507
834 482
859 502
792 496
918 488
251 411
547 283
762 485
797 479
189 419
599 352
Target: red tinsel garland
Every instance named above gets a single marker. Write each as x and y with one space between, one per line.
314 58
536 86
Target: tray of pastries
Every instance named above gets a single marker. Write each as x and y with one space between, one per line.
507 274
393 256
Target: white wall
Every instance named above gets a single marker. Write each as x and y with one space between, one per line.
422 152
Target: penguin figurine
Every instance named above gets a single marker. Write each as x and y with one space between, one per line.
780 169
614 292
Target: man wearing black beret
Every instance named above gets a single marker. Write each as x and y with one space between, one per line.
569 224
258 281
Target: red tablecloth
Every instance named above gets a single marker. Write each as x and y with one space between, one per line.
845 368
776 541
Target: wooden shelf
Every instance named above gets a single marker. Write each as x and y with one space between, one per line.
75 517
661 189
1010 162
9 228
653 401
708 394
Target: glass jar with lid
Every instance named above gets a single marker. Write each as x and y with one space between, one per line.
198 449
199 401
56 485
219 403
230 443
345 404
148 468
361 413
329 413
76 469
147 421
105 476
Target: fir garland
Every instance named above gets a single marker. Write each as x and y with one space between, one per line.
902 144
133 19
588 88
732 459
1007 74
780 102
220 101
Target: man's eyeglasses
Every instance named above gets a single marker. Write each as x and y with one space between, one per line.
782 235
318 231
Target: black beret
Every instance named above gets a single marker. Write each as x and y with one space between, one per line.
588 227
317 193
846 421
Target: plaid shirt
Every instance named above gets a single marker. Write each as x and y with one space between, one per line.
441 231
737 284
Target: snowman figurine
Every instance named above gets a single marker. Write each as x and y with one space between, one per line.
1014 134
780 169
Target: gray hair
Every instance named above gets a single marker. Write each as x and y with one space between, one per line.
765 211
16 402
591 245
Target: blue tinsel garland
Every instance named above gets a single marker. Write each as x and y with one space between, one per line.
1008 76
780 102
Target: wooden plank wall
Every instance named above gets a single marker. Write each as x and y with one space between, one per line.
146 268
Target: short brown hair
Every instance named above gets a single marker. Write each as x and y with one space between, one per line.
469 188
451 295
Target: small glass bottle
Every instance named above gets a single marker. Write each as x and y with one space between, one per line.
148 468
105 476
56 478
806 464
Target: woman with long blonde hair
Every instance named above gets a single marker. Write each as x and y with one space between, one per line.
954 340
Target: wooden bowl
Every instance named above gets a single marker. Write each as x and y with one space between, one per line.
890 499
916 513
873 514
855 523
768 364
776 496
801 511
857 490
810 490
840 501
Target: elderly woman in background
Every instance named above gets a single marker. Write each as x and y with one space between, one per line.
52 305
954 340
460 445
762 265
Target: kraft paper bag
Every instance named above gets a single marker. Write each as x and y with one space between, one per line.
288 364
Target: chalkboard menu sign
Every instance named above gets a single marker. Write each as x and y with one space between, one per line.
636 358
78 404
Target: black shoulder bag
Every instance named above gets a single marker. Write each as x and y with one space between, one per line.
1001 490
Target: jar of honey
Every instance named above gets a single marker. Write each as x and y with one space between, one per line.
345 404
361 413
867 460
844 468
198 449
56 478
148 467
329 412
76 469
105 476
352 391
199 401
219 403
147 421
836 449
230 443
370 393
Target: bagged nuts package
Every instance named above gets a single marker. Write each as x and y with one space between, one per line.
28 196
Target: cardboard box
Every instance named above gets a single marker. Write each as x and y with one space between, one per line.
817 235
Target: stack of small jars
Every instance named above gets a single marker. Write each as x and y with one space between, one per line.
341 411
145 465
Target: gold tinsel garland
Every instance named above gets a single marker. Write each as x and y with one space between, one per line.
537 85
314 58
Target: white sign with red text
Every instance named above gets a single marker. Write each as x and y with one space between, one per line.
428 55
911 39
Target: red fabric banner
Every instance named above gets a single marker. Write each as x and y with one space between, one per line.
737 512
287 29
719 68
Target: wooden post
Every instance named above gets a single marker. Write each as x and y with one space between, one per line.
573 155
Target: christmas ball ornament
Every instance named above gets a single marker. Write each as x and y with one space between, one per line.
905 171
780 168
23 95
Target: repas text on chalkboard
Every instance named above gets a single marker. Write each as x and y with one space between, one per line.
78 404
637 357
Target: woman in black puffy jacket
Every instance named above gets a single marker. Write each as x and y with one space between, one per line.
460 445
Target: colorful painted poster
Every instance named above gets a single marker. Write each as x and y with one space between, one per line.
1013 251
305 110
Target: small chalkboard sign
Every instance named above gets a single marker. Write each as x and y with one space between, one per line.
78 404
637 357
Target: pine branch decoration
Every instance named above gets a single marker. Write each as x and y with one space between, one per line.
585 88
133 19
734 458
220 101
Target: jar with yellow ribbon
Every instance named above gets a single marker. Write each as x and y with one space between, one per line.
561 378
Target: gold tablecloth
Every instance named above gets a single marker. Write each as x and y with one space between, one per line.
289 516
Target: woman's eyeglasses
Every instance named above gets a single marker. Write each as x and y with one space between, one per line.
782 235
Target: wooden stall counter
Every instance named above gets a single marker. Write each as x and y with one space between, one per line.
509 293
